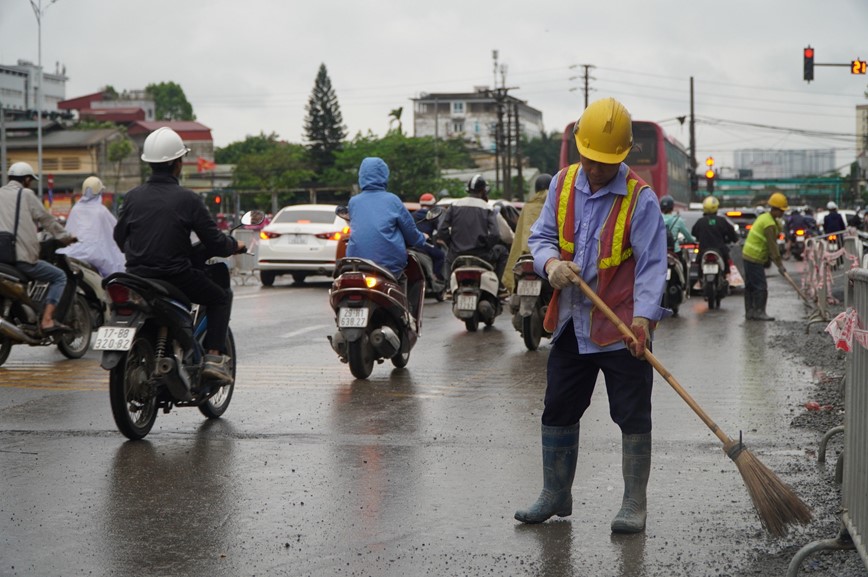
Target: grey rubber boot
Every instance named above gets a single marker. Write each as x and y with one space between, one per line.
560 447
749 307
636 465
761 298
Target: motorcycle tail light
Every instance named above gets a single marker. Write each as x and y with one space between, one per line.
268 235
709 257
833 237
527 267
800 232
371 281
466 275
123 295
351 280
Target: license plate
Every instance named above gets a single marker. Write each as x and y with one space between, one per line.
466 302
296 239
668 273
800 239
114 338
351 318
529 288
710 269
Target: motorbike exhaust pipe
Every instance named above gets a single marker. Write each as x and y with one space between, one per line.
13 332
178 385
385 342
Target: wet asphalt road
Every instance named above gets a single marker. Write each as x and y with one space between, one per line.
411 472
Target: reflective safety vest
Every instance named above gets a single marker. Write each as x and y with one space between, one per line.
616 266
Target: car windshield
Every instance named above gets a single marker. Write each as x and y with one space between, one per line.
305 216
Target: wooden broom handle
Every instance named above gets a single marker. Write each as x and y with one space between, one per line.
658 366
795 286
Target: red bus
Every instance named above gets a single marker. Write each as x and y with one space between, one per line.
657 158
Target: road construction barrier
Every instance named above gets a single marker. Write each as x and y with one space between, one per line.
822 263
854 489
243 266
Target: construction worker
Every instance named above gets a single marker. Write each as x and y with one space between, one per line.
601 224
760 246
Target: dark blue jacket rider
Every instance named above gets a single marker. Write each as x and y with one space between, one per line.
381 226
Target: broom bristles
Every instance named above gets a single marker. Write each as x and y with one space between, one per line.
775 502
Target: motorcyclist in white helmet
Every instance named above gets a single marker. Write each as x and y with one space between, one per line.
20 210
153 231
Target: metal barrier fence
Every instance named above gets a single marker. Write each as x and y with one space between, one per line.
243 266
854 488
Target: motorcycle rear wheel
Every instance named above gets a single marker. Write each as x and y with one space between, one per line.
360 356
5 348
133 399
531 330
472 323
75 344
217 403
711 296
400 360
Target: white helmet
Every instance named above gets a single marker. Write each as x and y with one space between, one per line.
91 187
831 206
163 145
22 169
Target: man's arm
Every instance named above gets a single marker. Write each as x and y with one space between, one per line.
648 239
682 228
217 243
412 235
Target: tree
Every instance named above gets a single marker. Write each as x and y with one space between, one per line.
395 116
544 153
323 126
233 152
119 150
413 162
281 167
170 101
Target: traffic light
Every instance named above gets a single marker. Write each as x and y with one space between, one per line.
809 63
858 66
217 200
709 180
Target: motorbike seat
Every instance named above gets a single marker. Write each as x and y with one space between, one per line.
355 264
158 286
471 261
13 274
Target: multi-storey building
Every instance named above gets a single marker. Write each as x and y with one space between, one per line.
19 86
760 163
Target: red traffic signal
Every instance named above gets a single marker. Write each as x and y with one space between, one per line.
809 64
217 199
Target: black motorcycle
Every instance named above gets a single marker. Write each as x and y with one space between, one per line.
713 277
22 300
530 302
152 348
676 283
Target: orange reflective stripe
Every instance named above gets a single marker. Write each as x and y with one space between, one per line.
565 198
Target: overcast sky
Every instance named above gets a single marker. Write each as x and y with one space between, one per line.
249 67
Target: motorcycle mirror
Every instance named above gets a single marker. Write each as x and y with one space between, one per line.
254 217
343 212
434 212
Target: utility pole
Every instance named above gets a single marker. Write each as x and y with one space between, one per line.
586 77
2 140
518 151
694 180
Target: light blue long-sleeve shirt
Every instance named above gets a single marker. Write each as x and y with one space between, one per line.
647 237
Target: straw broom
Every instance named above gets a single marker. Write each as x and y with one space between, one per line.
775 502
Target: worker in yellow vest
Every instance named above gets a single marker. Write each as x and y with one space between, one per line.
761 246
600 223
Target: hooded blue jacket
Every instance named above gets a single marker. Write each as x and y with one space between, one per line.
381 225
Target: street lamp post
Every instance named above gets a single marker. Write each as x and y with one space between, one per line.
39 11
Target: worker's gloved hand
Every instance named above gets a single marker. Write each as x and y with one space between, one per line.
782 269
563 273
641 328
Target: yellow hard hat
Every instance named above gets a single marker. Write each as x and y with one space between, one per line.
778 200
710 205
604 133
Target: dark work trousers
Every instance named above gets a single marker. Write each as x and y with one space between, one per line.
200 288
571 378
754 278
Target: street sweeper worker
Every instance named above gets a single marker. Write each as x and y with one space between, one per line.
760 246
600 223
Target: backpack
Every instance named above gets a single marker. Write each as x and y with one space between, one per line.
670 238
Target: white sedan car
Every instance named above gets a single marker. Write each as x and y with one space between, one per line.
301 240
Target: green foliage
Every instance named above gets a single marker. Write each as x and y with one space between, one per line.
109 93
412 162
92 125
170 101
544 153
323 126
282 166
233 152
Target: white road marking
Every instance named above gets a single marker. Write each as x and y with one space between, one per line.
302 331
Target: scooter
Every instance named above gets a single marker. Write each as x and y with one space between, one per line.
713 278
152 348
676 283
474 286
530 302
378 317
22 300
91 287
